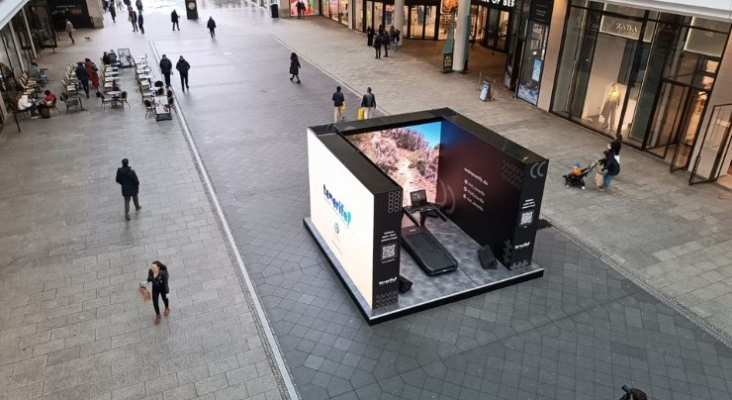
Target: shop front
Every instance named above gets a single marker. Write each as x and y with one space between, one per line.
644 75
336 10
534 50
492 24
421 18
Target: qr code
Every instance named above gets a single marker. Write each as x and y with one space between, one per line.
527 217
388 251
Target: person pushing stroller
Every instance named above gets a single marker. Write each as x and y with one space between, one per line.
576 176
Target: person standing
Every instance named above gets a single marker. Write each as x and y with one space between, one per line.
211 25
133 19
294 67
368 103
369 36
300 9
70 30
127 178
182 66
83 76
158 276
397 39
174 19
377 46
338 102
166 68
385 42
140 22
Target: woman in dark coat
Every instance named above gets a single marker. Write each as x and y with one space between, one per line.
369 36
158 275
294 67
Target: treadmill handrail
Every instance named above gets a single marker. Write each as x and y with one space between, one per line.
409 210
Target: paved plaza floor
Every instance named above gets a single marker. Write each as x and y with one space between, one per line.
71 327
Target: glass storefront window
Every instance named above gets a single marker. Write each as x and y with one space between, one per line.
532 63
645 76
41 25
358 18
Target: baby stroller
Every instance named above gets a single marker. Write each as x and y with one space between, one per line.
578 180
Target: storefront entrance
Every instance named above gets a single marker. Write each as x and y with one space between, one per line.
676 122
490 27
640 75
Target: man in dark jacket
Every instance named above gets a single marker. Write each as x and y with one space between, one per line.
174 19
83 77
368 103
338 102
182 66
127 178
166 68
211 25
141 22
377 46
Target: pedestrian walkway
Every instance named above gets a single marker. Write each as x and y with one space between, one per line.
671 238
580 332
71 323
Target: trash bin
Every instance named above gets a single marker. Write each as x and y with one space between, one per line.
191 9
275 10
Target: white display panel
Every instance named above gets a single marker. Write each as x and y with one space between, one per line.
342 210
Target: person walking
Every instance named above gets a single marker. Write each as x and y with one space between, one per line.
385 42
127 178
211 25
70 30
158 276
133 19
369 36
300 6
611 168
140 22
91 70
368 103
397 39
83 76
166 68
182 66
294 67
338 102
174 19
377 46
113 13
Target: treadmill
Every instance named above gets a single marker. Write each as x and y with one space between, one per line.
422 245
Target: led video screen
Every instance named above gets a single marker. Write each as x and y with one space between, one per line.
409 155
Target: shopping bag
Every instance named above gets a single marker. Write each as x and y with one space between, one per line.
361 111
144 293
343 107
599 177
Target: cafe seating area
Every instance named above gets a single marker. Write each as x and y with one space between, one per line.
157 101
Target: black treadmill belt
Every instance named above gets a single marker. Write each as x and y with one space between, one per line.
427 251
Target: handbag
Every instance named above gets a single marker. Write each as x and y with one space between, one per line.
361 112
599 178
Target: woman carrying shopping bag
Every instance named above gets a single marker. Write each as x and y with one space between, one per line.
158 276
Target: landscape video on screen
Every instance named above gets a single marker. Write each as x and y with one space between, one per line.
409 155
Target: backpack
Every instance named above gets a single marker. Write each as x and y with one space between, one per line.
45 112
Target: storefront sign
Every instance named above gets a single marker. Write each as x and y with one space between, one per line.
621 27
541 11
501 3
